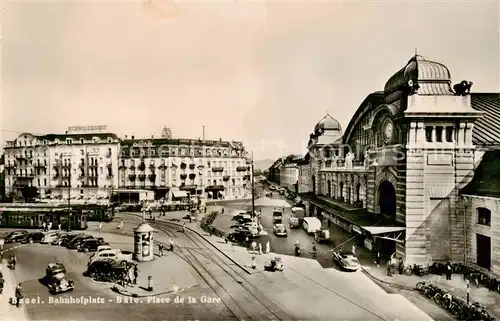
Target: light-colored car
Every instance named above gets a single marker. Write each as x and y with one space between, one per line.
116 255
280 230
347 261
50 237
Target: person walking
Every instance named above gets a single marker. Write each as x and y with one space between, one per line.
184 228
377 259
136 273
389 268
44 226
19 294
59 227
449 271
171 244
100 226
353 249
160 249
401 265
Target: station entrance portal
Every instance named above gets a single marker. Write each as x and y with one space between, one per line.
387 203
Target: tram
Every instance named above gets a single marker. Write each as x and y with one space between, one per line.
34 215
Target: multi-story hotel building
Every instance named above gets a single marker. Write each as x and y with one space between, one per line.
81 163
175 167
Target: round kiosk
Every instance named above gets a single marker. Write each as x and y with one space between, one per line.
143 243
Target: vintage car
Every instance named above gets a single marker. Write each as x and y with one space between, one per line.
105 270
121 257
73 244
35 237
280 230
50 237
15 236
91 245
55 279
347 261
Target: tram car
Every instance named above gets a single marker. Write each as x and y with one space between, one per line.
34 215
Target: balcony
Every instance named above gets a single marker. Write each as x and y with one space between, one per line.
10 166
183 165
81 165
183 176
93 165
225 178
131 167
152 167
109 166
122 167
152 178
142 166
187 187
40 166
162 167
132 177
56 176
192 176
23 175
242 168
142 177
217 169
192 166
246 177
21 157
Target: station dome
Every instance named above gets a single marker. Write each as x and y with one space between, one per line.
327 123
419 70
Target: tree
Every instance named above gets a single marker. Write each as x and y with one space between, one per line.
29 193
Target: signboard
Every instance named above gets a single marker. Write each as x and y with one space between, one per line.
142 144
87 129
356 229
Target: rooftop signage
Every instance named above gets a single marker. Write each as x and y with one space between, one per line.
95 129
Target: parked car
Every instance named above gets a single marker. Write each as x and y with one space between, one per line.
91 245
35 237
15 236
56 280
119 256
347 261
63 239
280 230
73 242
50 237
77 244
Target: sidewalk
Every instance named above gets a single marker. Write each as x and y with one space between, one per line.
9 312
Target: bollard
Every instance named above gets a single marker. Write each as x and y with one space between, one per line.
254 264
150 283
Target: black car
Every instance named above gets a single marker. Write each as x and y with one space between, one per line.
78 240
105 270
35 237
15 236
90 245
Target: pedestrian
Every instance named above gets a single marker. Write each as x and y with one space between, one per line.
353 249
136 273
49 226
100 226
401 265
19 294
43 226
59 226
223 210
449 271
171 244
389 268
254 246
377 259
160 249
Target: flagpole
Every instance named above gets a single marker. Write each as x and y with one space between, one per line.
253 190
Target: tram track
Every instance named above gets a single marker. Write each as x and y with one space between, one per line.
242 299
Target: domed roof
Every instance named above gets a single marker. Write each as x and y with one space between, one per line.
418 70
327 123
143 228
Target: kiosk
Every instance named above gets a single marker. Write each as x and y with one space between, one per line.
143 243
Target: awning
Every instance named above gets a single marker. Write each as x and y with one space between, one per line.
376 230
390 233
179 194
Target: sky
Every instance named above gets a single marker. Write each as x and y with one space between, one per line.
260 72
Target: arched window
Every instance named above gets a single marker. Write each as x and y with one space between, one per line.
341 186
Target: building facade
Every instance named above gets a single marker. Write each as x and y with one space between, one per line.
79 164
289 173
396 177
215 169
88 163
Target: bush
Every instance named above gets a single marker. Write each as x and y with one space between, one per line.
206 224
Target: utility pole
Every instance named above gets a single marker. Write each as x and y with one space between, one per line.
253 190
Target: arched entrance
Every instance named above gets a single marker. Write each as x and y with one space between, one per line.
387 199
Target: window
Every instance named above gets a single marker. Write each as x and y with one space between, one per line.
428 134
449 134
110 140
82 152
45 142
152 152
483 216
439 134
81 140
69 141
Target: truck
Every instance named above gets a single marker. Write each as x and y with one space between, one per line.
311 224
296 217
277 216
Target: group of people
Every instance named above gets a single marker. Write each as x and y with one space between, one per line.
161 247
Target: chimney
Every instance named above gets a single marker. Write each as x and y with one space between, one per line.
126 136
220 139
66 132
132 137
152 136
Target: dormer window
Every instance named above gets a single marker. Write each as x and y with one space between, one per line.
69 141
95 139
57 140
45 142
81 140
110 140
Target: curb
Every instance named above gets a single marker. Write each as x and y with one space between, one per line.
404 287
135 295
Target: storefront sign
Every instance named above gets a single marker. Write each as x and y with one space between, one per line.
356 229
87 129
143 144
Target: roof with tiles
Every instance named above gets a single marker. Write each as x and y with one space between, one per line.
485 181
486 130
